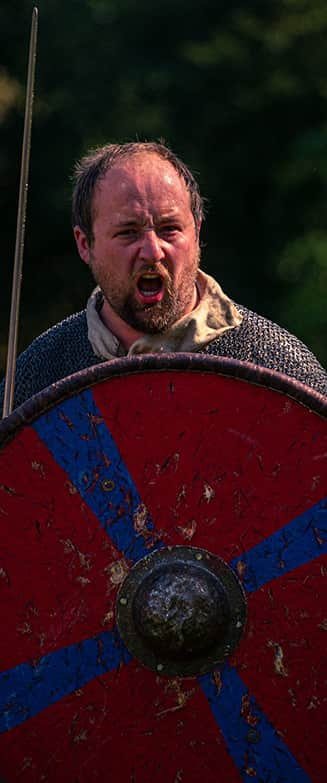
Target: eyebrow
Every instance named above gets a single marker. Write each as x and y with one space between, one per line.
126 223
138 221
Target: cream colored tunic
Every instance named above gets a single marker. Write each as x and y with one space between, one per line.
214 314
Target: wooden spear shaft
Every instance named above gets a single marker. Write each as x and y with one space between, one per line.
20 228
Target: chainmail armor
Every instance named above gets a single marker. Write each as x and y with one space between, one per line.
65 349
266 344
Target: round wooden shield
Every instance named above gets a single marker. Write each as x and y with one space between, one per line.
114 472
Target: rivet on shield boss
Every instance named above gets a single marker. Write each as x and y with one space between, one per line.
163 572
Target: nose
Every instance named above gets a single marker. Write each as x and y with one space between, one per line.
151 249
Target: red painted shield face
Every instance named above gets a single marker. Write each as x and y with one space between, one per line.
163 569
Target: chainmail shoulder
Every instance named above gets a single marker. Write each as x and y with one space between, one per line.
60 351
266 344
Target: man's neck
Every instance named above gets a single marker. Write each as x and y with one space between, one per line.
124 333
122 330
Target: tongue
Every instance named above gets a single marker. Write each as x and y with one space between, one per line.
149 285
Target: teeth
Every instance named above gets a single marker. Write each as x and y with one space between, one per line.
149 284
149 293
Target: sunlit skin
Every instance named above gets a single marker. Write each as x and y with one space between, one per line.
143 225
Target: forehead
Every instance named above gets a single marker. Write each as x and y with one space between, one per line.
142 183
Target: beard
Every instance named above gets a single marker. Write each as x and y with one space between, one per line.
156 317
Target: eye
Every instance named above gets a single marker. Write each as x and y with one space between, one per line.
169 229
127 232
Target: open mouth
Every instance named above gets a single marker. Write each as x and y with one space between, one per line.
150 287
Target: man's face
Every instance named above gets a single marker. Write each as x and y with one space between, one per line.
145 252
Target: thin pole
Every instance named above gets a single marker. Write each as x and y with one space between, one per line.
20 228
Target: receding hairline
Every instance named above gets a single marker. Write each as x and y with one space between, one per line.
124 162
92 168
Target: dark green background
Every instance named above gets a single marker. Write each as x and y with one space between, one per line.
238 89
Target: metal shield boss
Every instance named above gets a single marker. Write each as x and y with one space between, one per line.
162 572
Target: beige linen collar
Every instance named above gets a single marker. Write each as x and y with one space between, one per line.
213 316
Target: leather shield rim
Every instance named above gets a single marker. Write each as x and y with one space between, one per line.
41 402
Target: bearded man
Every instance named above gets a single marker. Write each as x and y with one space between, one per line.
137 215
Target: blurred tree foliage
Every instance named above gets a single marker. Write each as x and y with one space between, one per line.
237 87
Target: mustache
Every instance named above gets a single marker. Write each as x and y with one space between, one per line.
154 269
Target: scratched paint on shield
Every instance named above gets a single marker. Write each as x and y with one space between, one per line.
29 688
255 746
40 685
300 541
81 444
77 438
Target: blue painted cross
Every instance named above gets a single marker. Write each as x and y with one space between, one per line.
76 436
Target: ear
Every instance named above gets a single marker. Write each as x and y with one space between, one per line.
82 244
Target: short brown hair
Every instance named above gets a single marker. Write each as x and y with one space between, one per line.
94 166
